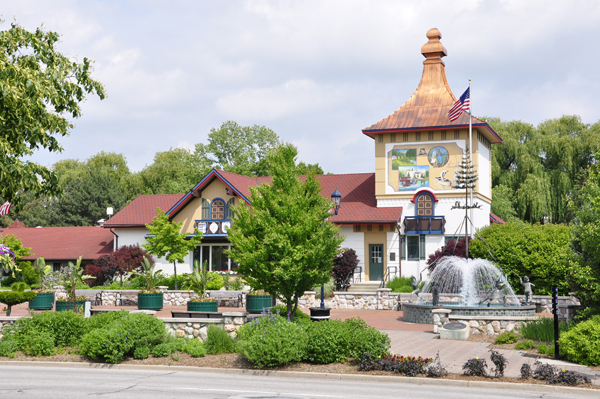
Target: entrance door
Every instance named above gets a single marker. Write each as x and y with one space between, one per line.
376 262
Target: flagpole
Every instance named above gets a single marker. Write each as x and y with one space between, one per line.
471 141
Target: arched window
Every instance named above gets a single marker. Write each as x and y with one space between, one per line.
424 205
217 209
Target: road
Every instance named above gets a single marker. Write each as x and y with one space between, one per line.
163 383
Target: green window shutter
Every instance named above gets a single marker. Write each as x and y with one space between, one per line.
230 204
205 209
422 247
403 247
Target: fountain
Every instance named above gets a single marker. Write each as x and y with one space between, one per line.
472 288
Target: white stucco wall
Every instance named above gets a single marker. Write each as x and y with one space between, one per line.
356 241
484 170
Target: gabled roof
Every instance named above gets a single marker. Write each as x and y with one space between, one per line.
358 206
64 243
142 210
428 107
495 219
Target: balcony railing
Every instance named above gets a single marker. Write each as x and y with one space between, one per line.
424 225
213 227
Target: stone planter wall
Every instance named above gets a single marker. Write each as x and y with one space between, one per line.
7 320
197 328
490 326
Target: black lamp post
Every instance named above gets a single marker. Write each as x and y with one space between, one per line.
322 313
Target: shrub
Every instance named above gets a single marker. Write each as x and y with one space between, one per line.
65 328
400 284
525 345
194 348
37 343
8 346
475 367
506 338
526 371
122 337
543 371
141 352
234 285
182 280
328 342
215 281
299 317
366 339
16 296
104 270
435 369
30 277
581 344
543 349
328 289
218 341
567 377
104 319
272 341
344 264
499 361
409 366
163 350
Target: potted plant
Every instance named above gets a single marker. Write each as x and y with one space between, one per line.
16 295
45 293
72 275
198 282
257 300
150 298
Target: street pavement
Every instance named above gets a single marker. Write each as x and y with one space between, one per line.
409 339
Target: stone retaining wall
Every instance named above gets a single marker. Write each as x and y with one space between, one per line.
7 320
197 328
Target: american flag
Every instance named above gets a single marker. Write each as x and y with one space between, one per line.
462 104
5 208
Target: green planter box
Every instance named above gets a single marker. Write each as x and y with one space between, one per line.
202 306
256 303
62 306
43 301
150 301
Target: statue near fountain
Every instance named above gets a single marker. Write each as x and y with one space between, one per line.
528 291
415 285
496 294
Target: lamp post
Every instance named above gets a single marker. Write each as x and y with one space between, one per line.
322 313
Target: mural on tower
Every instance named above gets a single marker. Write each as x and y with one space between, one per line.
411 167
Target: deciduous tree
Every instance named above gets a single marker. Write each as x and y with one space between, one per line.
283 243
165 239
40 88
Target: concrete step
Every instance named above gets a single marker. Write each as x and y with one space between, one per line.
368 286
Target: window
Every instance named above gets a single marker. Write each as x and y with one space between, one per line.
418 136
217 209
430 135
230 205
443 135
380 138
404 136
215 257
424 205
393 137
205 209
413 247
457 134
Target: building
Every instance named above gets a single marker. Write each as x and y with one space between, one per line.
61 245
393 218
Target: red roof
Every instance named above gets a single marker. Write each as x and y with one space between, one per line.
142 210
358 206
16 225
495 219
64 243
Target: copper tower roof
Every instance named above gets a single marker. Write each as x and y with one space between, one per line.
428 107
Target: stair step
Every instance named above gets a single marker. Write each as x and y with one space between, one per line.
368 286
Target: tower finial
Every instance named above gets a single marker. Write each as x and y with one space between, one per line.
433 50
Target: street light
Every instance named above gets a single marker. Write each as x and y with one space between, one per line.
336 197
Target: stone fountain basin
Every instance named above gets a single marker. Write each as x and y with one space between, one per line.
421 314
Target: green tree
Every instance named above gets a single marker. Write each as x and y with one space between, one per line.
166 240
172 172
503 203
283 243
39 89
16 245
239 149
540 252
584 277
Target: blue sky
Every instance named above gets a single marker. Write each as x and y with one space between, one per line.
316 72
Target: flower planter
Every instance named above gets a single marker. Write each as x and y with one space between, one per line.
43 301
62 306
150 301
256 303
202 306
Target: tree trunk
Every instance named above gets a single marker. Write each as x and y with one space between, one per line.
8 309
175 268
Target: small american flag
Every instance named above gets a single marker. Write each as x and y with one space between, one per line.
462 104
5 208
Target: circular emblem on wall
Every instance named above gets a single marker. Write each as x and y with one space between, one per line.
438 157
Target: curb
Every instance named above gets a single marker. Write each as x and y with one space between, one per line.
311 375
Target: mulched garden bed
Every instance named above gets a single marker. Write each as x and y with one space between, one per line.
234 361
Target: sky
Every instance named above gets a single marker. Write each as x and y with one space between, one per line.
316 72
